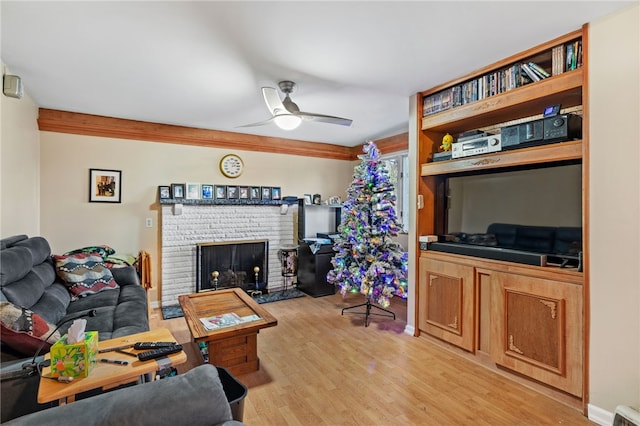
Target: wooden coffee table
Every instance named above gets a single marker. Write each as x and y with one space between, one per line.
107 376
233 347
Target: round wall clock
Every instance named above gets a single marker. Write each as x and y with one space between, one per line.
231 166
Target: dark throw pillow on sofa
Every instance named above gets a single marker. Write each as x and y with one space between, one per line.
84 273
102 250
24 330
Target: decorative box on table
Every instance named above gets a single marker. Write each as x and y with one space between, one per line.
74 360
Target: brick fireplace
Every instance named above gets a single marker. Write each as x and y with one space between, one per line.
195 224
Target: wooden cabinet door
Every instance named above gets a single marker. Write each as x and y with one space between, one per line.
537 329
446 302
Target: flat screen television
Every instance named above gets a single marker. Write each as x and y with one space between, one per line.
546 203
550 196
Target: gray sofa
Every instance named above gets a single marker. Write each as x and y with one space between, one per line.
194 398
30 287
28 280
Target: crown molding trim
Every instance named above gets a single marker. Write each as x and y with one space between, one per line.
393 143
51 120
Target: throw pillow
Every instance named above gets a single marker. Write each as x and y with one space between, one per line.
84 273
103 250
121 259
24 330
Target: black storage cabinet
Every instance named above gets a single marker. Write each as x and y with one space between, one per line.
313 269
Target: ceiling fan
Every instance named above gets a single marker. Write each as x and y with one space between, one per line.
286 114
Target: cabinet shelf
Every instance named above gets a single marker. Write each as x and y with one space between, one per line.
485 306
539 156
525 101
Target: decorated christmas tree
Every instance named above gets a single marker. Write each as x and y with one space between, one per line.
367 259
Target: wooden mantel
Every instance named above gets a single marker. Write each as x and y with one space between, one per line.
94 125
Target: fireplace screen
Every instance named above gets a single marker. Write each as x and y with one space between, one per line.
232 264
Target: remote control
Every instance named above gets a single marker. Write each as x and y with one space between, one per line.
159 353
153 345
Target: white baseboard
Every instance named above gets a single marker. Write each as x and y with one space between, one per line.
599 415
409 329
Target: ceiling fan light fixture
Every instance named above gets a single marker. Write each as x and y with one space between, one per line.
287 121
286 114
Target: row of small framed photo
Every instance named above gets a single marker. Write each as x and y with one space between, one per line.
197 191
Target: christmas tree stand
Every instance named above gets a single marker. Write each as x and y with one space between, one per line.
368 312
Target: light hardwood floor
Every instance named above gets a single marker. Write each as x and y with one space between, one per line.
318 367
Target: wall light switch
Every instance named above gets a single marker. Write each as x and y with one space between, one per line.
149 222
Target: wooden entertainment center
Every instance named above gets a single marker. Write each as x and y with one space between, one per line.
528 321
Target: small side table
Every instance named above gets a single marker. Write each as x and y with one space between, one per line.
107 376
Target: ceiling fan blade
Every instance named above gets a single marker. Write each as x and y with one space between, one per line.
289 105
259 123
325 118
272 99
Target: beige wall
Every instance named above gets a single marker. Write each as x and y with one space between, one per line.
69 221
19 167
614 205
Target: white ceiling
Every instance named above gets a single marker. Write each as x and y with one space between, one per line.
202 64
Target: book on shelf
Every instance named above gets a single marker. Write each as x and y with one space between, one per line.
456 92
539 70
579 55
532 75
473 90
573 59
557 60
536 72
437 102
568 57
226 320
563 57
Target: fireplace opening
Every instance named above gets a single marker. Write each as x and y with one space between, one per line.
230 264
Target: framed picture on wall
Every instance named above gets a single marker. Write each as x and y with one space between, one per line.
105 186
232 192
177 189
221 192
266 192
335 200
193 191
244 192
164 192
254 193
275 193
307 199
207 191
